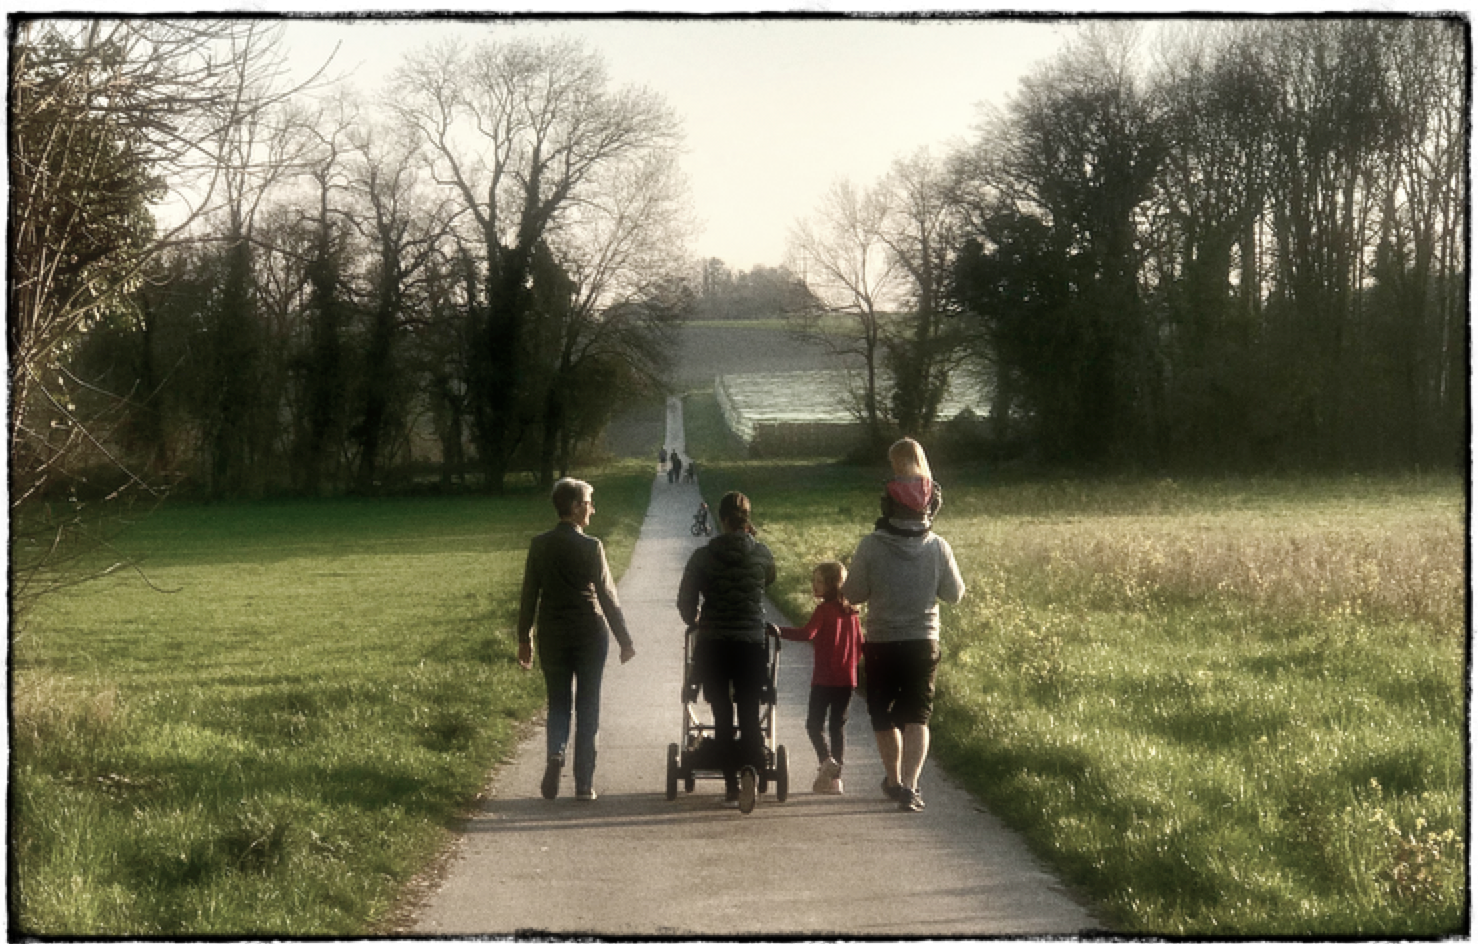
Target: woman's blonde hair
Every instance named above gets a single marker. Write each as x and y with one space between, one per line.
907 458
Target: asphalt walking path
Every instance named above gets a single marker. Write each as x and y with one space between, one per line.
635 864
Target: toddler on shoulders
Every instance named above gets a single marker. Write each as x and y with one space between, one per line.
913 497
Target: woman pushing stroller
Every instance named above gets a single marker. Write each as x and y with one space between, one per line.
722 599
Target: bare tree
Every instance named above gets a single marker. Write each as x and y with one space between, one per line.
103 115
846 264
406 227
921 233
1201 233
520 132
621 251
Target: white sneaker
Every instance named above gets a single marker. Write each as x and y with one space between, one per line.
826 775
836 787
823 778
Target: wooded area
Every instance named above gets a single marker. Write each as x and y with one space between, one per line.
1243 246
1254 256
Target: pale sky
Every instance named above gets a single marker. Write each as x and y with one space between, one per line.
774 110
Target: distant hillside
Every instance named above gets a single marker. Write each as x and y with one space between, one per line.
707 350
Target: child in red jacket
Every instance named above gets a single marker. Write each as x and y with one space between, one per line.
836 633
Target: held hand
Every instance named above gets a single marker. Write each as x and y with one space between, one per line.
627 654
526 655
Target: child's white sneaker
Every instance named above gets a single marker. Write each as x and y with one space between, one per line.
823 781
828 777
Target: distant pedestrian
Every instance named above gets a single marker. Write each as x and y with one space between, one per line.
834 632
675 475
567 583
662 459
690 473
722 598
901 570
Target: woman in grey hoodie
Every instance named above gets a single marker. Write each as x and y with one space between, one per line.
901 571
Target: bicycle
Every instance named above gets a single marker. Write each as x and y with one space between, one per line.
701 527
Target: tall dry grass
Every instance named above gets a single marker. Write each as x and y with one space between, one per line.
1296 569
1228 707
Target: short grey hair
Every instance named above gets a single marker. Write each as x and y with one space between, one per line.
568 493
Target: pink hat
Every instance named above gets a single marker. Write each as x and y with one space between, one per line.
913 493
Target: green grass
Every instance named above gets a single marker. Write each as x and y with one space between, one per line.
275 741
1218 707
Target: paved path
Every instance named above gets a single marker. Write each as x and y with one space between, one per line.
635 864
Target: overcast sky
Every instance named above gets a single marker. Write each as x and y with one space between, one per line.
774 110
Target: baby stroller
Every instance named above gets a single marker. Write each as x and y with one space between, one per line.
697 757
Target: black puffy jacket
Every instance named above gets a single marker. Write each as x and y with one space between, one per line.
729 574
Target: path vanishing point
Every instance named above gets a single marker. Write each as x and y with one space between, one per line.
634 864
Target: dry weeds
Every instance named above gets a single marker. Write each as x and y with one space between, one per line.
1316 569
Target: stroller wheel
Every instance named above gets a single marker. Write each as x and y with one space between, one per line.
782 775
672 771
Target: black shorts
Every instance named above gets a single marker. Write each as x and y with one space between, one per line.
900 682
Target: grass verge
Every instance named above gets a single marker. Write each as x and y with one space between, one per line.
276 744
1219 707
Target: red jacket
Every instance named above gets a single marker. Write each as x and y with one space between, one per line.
837 637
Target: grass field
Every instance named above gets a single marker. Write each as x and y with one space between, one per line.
275 741
1218 707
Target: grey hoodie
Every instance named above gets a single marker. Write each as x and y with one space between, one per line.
902 579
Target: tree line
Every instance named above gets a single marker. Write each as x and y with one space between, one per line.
490 254
1240 246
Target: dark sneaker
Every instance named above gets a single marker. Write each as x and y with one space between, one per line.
893 791
731 798
549 786
909 801
748 789
585 793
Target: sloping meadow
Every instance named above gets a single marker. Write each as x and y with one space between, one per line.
1219 707
274 741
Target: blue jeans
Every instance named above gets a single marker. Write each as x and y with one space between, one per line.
573 666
